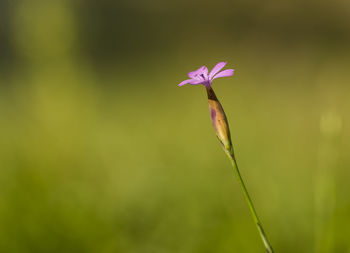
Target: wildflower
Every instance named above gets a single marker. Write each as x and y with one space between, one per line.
217 114
221 127
201 76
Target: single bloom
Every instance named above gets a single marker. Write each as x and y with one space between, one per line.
201 75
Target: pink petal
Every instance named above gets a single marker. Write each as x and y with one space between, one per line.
216 69
184 82
226 72
196 81
190 81
196 74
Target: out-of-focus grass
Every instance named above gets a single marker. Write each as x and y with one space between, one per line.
125 161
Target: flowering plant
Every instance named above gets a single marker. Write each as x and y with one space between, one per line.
221 127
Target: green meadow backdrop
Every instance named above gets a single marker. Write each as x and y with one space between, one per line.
101 152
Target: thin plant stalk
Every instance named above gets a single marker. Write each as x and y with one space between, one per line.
257 222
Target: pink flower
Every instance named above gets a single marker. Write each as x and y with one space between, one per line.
201 76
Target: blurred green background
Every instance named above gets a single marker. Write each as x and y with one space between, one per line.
100 151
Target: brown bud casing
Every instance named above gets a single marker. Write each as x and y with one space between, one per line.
219 120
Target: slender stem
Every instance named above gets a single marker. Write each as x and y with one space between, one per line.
266 242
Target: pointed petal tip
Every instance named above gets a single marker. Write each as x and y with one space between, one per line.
191 81
184 82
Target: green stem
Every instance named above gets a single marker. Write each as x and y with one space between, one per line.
266 242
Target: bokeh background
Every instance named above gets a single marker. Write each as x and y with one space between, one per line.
100 151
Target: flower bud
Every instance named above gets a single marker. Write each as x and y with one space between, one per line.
219 121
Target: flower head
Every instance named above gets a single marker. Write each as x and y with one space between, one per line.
201 75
